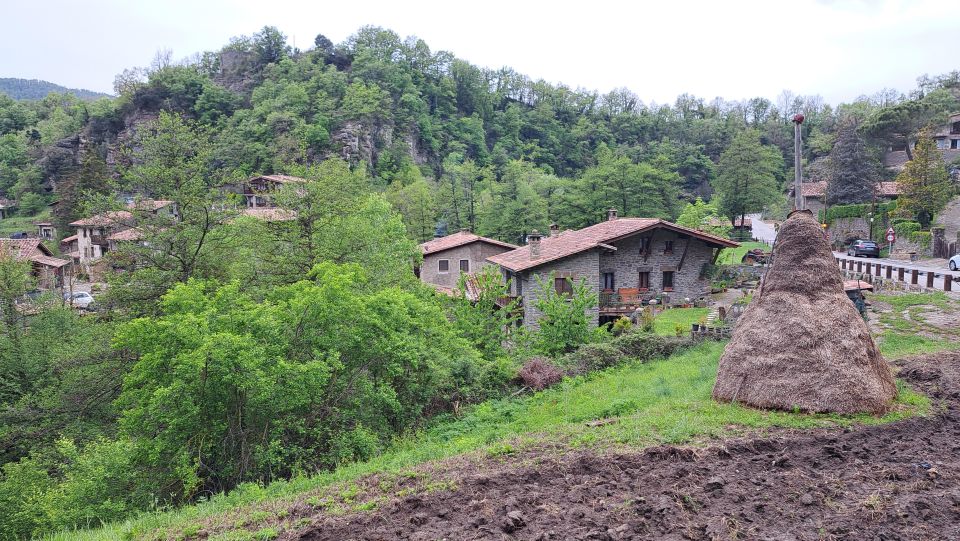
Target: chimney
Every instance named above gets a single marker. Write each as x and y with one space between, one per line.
533 239
611 214
554 229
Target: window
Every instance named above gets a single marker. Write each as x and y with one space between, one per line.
563 286
464 265
668 246
644 282
608 281
443 265
644 245
668 280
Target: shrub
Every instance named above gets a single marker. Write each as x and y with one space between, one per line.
594 357
646 320
539 373
642 346
905 228
621 326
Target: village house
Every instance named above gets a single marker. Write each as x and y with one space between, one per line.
46 230
49 272
946 137
626 261
99 234
7 206
814 194
256 191
445 258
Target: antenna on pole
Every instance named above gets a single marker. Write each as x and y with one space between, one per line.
797 167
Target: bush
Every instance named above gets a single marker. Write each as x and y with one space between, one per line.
905 228
594 357
642 346
539 373
621 326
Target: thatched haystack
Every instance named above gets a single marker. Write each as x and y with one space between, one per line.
801 343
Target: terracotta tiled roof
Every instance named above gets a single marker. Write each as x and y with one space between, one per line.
68 240
149 204
270 214
31 250
130 234
854 285
818 189
574 242
103 220
458 239
282 179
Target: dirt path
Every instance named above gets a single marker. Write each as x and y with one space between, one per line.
897 481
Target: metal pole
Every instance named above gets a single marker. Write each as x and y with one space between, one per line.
797 167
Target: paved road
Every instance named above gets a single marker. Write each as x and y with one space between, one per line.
762 231
939 272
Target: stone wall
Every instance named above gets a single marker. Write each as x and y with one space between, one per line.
627 263
584 266
476 253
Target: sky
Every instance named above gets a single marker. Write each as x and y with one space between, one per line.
732 49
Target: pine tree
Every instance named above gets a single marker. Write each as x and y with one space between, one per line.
748 176
852 171
925 187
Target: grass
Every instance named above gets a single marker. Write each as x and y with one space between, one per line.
16 224
666 322
666 401
907 331
734 256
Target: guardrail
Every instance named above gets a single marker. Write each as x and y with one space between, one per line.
875 272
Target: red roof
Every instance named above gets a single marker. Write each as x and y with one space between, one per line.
270 214
458 239
31 250
104 220
573 242
149 204
819 188
126 235
68 240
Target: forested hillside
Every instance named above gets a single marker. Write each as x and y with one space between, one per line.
446 141
231 350
33 89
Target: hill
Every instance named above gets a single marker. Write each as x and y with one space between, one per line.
34 89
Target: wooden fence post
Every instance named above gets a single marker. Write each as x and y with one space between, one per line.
859 266
900 274
869 266
929 279
947 282
889 271
877 269
914 277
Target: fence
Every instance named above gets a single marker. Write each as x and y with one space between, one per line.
897 275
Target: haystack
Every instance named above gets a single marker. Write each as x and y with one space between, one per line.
801 343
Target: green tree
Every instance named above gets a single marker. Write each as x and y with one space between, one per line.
853 171
925 187
563 322
748 176
703 216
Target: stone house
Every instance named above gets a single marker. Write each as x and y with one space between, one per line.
946 137
99 234
49 272
626 261
256 191
445 258
814 194
46 230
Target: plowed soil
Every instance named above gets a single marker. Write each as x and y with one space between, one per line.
895 481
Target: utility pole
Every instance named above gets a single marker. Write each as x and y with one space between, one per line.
797 167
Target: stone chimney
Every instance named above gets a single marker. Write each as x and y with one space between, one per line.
554 230
611 214
533 239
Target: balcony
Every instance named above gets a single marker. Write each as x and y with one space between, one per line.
624 300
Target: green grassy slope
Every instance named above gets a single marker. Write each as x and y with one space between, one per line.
666 401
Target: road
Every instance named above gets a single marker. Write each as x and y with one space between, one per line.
762 231
939 272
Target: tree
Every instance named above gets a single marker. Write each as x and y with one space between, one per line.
925 187
853 171
748 176
563 322
480 314
704 216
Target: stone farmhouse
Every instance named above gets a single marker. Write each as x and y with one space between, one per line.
48 272
814 194
627 261
100 233
445 258
257 191
946 137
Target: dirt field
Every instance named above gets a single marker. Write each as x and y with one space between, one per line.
897 481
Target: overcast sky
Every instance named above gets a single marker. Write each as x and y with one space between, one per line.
838 49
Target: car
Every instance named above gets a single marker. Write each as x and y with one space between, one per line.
954 262
81 299
866 248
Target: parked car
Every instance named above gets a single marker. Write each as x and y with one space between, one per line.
865 248
82 299
955 262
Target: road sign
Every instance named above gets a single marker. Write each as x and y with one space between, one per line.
891 235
